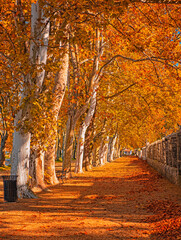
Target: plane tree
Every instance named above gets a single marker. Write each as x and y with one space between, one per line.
36 45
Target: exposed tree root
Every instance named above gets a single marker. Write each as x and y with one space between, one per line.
25 192
53 180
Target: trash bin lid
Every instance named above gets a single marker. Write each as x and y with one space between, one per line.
9 177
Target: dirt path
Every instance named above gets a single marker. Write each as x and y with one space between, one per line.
124 199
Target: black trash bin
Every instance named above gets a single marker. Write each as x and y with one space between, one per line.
10 188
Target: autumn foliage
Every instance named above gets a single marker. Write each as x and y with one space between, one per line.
95 75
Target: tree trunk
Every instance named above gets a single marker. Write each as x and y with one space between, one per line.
50 174
74 116
40 28
83 128
21 141
116 149
58 148
59 92
68 146
4 138
20 160
105 150
37 169
93 85
94 156
101 152
88 147
111 148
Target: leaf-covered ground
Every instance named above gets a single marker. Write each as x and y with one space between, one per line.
124 199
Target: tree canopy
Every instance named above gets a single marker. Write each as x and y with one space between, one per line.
108 69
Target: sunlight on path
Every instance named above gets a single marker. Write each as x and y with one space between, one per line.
109 202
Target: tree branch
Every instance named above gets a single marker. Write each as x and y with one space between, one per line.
158 1
154 59
123 90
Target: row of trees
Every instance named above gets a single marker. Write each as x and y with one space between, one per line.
106 73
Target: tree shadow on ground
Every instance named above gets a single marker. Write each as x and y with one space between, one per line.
105 204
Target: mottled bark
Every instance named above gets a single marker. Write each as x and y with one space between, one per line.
37 169
95 156
20 160
81 140
59 92
50 174
93 85
68 146
116 152
88 147
21 141
4 137
111 144
101 152
105 149
40 28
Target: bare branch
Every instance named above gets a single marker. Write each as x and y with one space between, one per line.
151 59
123 90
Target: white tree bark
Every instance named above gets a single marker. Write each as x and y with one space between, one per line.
40 28
94 156
36 169
103 151
113 148
20 159
4 137
59 92
111 144
93 85
116 149
69 145
106 149
21 140
50 174
82 131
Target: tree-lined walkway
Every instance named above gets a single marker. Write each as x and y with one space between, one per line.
124 199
